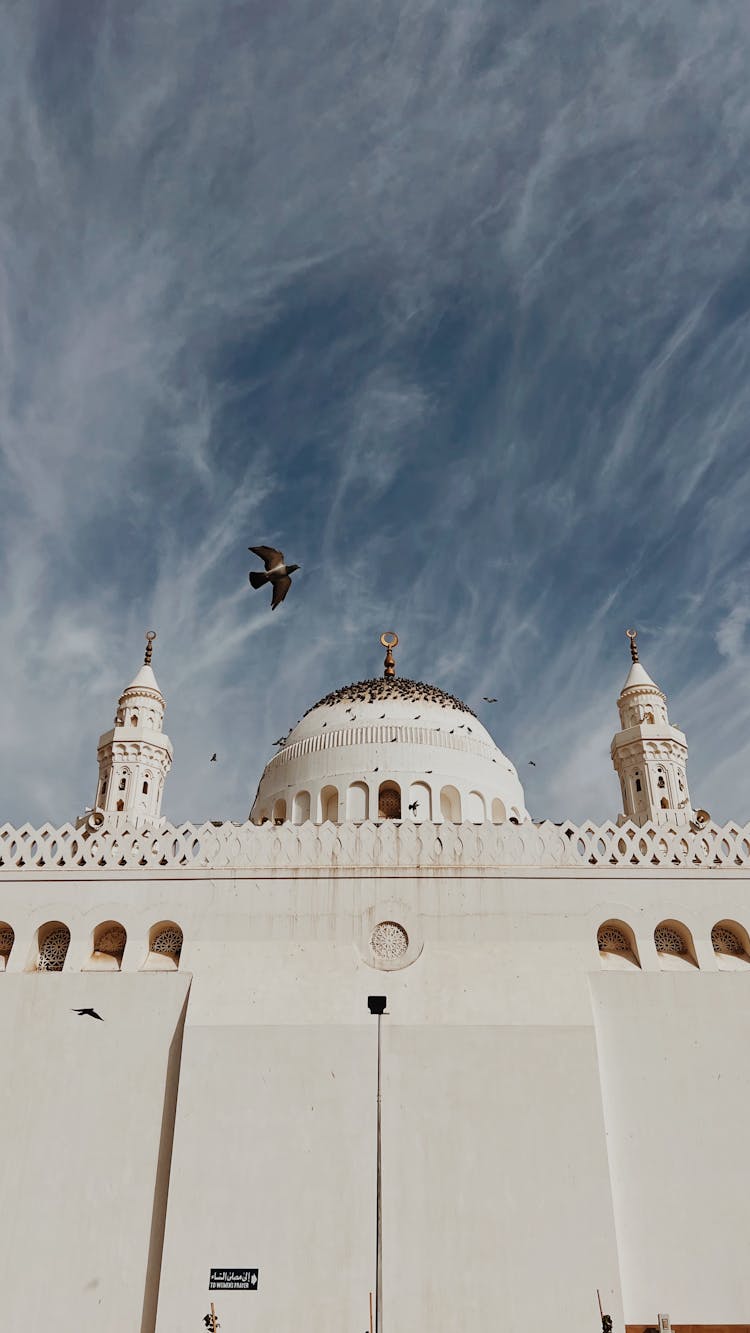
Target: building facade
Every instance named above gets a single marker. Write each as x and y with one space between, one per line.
190 1062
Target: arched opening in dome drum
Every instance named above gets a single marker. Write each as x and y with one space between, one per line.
357 802
450 805
475 810
279 812
301 808
389 801
499 815
329 805
420 801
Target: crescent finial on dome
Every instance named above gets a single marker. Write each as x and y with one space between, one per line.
389 640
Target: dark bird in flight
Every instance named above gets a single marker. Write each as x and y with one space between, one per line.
280 741
212 760
414 806
278 574
533 763
489 698
88 1013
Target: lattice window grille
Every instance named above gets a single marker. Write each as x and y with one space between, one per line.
613 940
389 804
389 941
168 941
53 951
669 940
725 940
7 936
112 941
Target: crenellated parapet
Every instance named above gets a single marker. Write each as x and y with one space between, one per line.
292 849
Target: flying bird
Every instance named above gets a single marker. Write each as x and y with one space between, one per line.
533 763
414 806
212 760
489 698
278 574
280 741
87 1013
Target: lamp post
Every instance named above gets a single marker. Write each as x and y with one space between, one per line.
376 1004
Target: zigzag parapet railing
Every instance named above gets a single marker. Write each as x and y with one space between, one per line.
115 846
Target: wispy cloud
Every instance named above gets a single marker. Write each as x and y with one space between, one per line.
450 303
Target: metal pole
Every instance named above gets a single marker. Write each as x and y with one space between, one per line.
379 1218
213 1317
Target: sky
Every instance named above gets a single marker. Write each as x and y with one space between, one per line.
450 302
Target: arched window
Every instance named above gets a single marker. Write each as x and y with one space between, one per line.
279 812
389 801
731 945
122 784
110 939
357 802
498 811
674 945
329 805
450 805
420 801
301 807
475 808
134 720
165 947
7 937
145 786
120 805
617 946
54 942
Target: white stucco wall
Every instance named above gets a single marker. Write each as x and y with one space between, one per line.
81 1109
517 1069
676 1088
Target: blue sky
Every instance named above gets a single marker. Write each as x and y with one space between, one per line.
451 302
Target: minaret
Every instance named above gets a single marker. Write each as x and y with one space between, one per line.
135 755
649 754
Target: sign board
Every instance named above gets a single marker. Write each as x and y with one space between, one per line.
233 1279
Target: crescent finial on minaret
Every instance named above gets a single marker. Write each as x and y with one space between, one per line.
150 636
633 635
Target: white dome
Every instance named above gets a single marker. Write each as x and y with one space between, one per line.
372 750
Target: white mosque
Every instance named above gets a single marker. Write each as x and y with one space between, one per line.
388 1056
